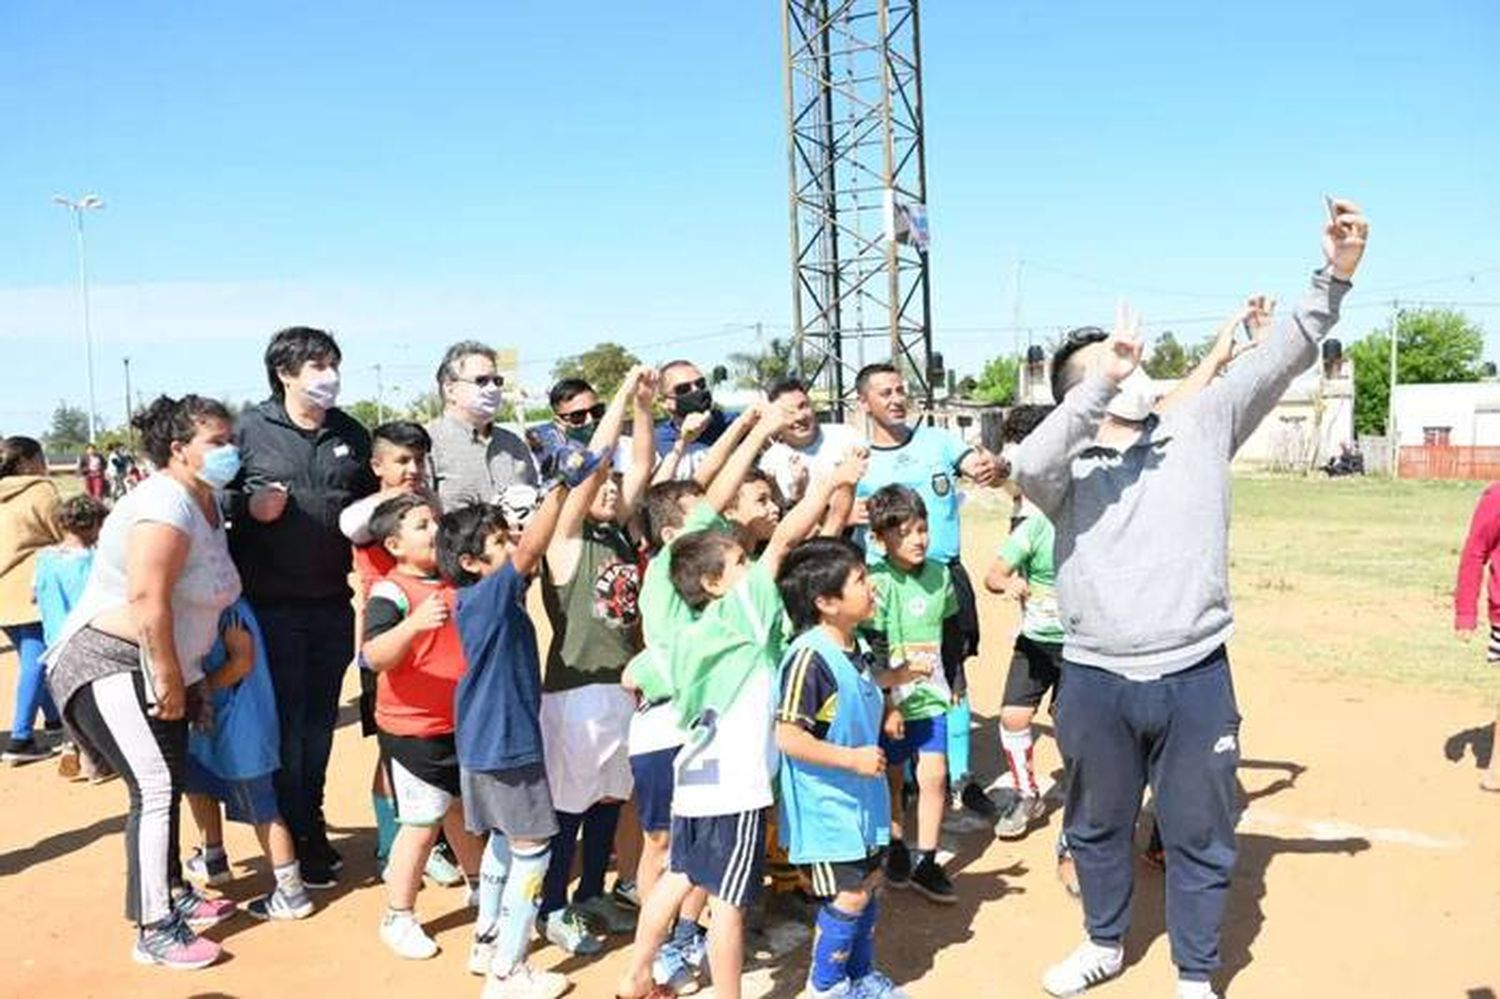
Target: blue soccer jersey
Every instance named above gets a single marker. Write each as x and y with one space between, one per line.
927 463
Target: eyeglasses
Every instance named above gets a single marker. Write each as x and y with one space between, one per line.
579 417
696 385
484 381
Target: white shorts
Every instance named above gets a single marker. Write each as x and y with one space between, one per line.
418 803
584 734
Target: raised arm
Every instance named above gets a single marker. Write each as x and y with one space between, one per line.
1255 315
723 449
566 542
753 437
1241 399
642 446
802 519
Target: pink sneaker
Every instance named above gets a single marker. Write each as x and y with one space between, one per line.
201 912
175 946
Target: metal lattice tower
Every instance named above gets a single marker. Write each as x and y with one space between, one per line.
858 191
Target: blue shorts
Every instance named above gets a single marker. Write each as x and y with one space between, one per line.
653 788
252 801
924 735
725 855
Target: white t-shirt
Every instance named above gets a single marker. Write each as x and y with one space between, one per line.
208 583
730 767
819 458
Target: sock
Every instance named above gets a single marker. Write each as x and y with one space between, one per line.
684 932
385 825
494 867
214 851
1018 753
518 907
555 885
832 947
599 824
959 718
862 954
289 879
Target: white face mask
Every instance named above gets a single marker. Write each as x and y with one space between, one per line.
1135 399
483 401
322 388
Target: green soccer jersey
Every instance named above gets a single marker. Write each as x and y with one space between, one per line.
910 608
663 612
1028 550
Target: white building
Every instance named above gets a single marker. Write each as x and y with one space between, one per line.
1464 414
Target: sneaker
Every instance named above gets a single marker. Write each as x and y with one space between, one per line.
442 871
568 929
526 982
174 945
19 751
317 875
897 865
975 800
875 986
401 932
280 905
201 912
481 955
1195 990
838 990
673 971
626 894
932 882
1088 965
604 915
322 850
203 870
1016 821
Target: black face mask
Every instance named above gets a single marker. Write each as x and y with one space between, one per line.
696 401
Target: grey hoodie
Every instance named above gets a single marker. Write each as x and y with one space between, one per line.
1143 535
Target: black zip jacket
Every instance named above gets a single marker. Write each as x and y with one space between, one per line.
301 555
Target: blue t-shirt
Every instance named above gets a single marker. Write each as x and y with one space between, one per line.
927 463
499 700
60 577
245 740
667 432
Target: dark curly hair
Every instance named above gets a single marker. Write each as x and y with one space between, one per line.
169 421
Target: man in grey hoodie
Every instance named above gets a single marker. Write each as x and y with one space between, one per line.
1141 505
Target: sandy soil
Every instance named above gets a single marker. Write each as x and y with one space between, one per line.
1369 866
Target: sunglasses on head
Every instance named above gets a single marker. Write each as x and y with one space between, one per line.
485 381
683 388
579 417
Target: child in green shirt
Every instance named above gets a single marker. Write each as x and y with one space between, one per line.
913 596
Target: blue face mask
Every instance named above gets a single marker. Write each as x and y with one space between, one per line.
220 466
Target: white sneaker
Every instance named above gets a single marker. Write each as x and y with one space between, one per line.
1195 990
404 935
526 982
839 990
481 955
875 986
1088 965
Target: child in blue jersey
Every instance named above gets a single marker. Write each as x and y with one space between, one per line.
61 572
231 760
835 810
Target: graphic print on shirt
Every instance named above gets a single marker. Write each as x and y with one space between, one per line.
617 591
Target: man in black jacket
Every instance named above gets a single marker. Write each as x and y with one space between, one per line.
303 462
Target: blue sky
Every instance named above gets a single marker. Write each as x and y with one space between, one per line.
548 176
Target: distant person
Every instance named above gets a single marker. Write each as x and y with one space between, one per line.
684 391
1140 506
116 468
91 471
305 460
29 508
473 459
1479 567
128 669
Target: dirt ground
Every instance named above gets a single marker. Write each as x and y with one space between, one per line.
1369 863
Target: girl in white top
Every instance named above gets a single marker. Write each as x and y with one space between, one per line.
126 670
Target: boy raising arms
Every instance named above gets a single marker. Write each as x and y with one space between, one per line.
835 807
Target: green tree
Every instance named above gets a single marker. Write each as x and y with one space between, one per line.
367 411
69 431
424 407
757 369
603 366
1169 359
998 382
1432 346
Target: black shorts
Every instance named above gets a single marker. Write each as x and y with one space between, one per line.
654 779
960 631
431 759
1035 668
829 877
724 855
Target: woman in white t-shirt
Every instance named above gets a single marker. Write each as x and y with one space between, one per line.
127 669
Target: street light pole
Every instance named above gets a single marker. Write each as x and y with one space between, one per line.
89 202
129 427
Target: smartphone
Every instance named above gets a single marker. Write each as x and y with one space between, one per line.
1333 212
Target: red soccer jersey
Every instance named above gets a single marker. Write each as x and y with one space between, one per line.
415 698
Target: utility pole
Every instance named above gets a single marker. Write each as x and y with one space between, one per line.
89 202
129 427
379 394
1390 406
1015 321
